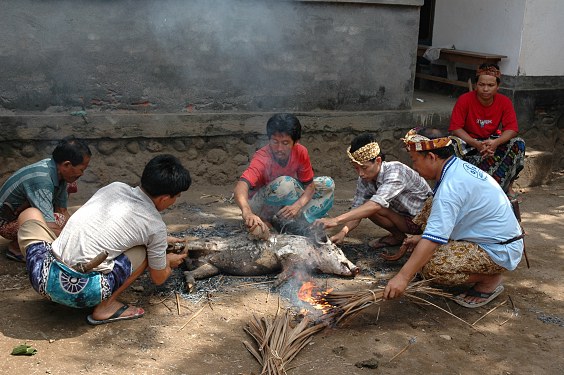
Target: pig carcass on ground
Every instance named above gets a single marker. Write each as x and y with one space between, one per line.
239 255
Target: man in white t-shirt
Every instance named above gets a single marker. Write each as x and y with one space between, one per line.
471 235
106 244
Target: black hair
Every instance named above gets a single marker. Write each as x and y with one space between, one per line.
71 149
488 65
285 123
432 133
362 140
165 175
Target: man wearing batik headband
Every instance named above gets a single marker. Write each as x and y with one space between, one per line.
470 234
476 120
390 194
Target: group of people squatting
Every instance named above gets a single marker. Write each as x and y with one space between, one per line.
463 231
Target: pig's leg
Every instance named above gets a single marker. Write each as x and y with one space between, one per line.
204 271
193 263
286 274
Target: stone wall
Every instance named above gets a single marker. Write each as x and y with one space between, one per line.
539 104
214 148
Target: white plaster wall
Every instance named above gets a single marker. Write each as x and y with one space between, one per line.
482 25
542 52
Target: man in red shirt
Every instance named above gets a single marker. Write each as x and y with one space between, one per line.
279 181
486 122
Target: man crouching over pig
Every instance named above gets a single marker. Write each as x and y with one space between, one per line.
106 244
279 183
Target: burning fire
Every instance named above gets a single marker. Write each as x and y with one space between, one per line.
315 297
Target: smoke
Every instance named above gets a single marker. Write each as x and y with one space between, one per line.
221 46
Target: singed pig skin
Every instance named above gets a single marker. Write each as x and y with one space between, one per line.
240 256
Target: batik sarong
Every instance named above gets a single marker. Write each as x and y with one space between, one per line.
452 263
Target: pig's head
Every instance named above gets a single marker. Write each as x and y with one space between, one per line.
329 258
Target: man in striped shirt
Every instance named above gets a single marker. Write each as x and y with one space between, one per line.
390 194
42 185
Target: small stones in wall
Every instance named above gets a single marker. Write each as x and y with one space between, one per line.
216 156
250 139
198 143
154 146
192 153
241 159
107 147
132 147
89 177
28 151
201 169
179 145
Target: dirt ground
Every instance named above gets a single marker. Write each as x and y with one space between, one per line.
203 333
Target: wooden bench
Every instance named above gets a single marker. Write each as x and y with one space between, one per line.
453 56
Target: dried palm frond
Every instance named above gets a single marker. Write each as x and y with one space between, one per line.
343 304
276 342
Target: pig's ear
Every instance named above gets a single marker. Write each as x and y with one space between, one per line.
319 235
323 240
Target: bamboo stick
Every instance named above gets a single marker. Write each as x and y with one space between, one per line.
191 318
489 312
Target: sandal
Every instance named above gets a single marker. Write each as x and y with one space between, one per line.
15 257
488 297
117 316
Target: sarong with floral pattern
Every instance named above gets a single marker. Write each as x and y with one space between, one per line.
285 190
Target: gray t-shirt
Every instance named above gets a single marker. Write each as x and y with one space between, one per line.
116 218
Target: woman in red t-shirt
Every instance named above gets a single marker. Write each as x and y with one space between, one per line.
486 125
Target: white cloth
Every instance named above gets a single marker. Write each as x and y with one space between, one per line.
469 205
433 53
116 218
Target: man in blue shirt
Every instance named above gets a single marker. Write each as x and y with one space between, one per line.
471 235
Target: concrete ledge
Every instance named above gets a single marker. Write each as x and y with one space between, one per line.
538 166
133 125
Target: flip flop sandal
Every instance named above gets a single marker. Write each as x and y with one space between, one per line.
116 317
15 257
474 293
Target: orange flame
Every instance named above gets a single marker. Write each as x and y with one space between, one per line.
308 293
